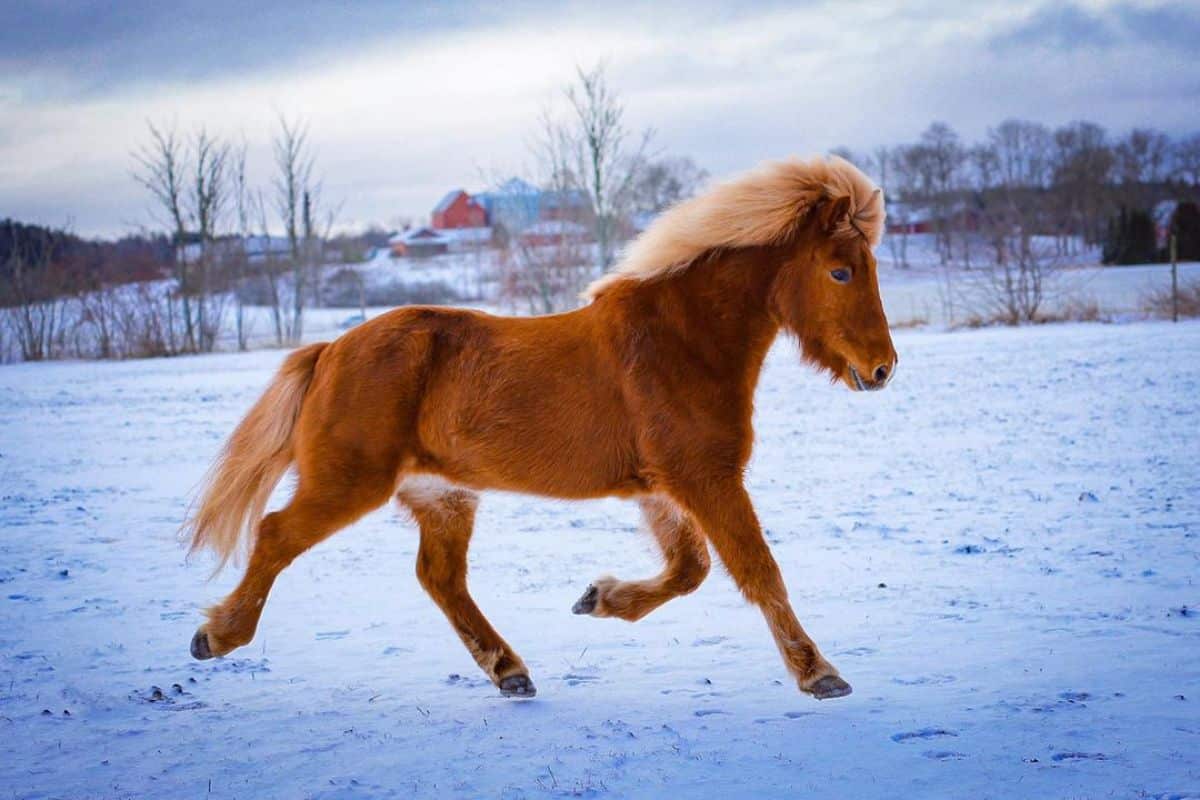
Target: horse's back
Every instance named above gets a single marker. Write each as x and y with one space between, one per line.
530 404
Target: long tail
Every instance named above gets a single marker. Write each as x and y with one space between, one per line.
237 487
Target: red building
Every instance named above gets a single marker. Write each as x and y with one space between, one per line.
458 210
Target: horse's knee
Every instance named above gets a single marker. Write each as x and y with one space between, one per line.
439 571
691 571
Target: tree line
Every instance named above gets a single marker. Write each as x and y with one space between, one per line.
1068 183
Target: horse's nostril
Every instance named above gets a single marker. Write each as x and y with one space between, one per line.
881 373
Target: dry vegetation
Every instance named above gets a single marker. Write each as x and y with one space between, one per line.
1161 304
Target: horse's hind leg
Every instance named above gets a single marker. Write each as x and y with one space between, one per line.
446 516
318 510
687 564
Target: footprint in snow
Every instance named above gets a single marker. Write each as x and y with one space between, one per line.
1076 756
454 679
324 635
925 680
235 665
924 733
708 641
395 651
708 712
571 679
858 651
943 755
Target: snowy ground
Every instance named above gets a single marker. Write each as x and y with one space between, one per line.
1000 552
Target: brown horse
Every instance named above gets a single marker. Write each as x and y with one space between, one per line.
646 392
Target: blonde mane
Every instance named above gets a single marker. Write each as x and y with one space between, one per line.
760 207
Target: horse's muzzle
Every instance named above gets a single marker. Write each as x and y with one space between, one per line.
880 377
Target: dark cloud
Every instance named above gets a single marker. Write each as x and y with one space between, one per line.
728 85
1068 26
67 48
1176 26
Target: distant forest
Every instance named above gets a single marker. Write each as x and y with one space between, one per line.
82 262
1076 182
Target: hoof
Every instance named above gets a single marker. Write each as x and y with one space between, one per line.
200 649
587 603
517 686
829 687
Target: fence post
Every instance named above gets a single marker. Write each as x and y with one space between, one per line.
1174 280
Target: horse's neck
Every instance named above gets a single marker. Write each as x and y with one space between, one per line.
720 307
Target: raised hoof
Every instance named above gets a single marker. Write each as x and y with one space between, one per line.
829 687
200 650
517 686
587 603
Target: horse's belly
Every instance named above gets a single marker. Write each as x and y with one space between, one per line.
568 457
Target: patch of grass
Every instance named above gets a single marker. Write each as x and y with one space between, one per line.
1075 309
908 322
1159 303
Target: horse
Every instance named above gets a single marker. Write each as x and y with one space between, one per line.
645 392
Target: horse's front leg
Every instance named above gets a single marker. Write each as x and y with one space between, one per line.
723 510
687 563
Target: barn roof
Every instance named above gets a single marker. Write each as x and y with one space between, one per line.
447 201
422 235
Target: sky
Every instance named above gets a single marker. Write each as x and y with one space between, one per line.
404 101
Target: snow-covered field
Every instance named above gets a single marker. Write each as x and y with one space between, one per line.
1001 553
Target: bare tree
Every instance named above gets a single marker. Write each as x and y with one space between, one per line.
208 199
243 208
1082 171
1142 159
661 183
1023 153
293 184
1142 156
543 277
545 273
607 162
1014 277
161 167
943 157
272 269
882 164
901 169
1186 160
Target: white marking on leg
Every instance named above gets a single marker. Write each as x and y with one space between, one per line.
426 490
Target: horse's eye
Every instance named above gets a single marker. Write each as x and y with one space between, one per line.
841 275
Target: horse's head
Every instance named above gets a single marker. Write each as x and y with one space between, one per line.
827 293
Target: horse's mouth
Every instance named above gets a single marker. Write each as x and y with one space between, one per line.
858 384
862 386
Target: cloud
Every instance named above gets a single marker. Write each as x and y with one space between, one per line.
1070 26
404 104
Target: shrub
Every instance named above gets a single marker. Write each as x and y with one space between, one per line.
1159 303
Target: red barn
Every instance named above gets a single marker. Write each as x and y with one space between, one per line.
458 210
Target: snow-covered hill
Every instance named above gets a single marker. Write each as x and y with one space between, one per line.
1000 552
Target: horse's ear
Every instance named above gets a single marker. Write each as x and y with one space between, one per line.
831 211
